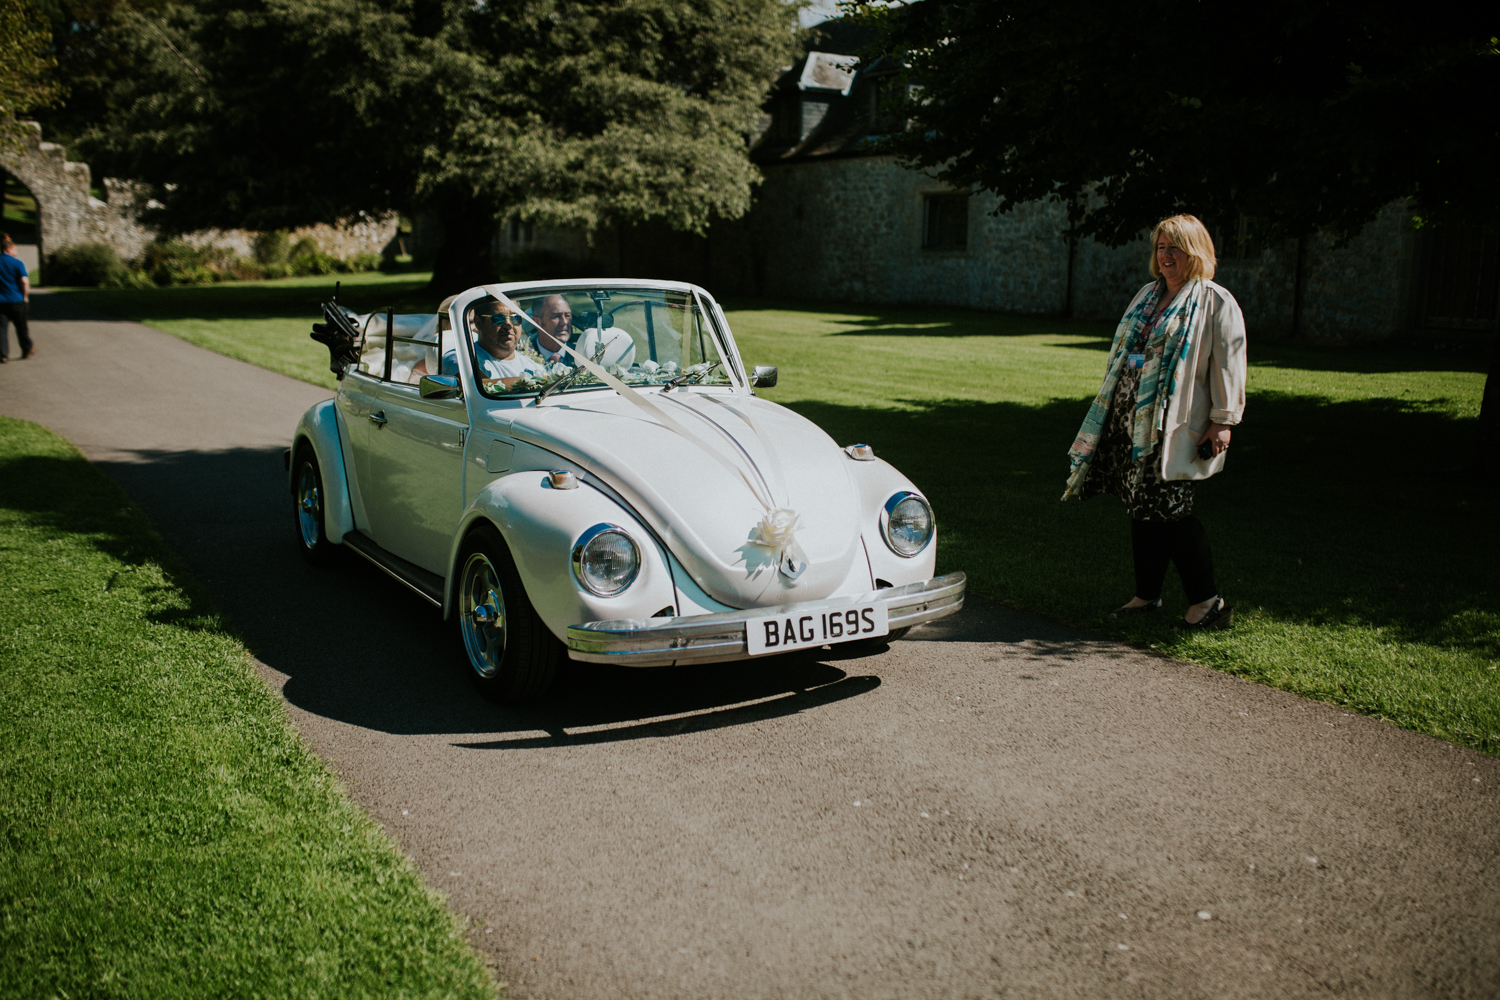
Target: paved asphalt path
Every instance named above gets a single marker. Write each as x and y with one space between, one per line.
997 806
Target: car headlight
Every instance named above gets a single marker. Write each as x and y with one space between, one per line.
606 559
906 523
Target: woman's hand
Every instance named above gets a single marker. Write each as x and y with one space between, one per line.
1218 435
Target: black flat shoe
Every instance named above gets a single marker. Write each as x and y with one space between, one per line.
1221 615
1127 611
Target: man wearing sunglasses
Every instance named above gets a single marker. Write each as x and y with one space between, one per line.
496 331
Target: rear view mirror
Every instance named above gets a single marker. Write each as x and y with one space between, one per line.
764 377
439 387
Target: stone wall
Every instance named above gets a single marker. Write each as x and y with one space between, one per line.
367 234
1365 290
67 214
849 229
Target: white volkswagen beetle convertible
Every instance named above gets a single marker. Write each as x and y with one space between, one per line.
584 467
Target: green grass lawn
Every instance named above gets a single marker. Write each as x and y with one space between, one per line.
263 322
164 832
1349 529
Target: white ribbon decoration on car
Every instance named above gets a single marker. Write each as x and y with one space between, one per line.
777 527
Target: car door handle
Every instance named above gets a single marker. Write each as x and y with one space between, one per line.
378 418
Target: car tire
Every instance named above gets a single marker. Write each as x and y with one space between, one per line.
511 655
308 518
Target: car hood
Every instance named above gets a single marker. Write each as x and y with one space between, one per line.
706 513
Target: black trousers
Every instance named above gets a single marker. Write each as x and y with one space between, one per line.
1185 543
14 312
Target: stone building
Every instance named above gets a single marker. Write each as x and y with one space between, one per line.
833 222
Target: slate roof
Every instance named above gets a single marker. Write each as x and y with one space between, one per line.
822 77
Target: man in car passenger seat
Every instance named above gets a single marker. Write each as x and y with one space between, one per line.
555 317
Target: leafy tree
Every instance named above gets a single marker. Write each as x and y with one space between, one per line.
611 112
27 79
1302 115
265 116
586 112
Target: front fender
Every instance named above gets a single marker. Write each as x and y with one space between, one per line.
319 430
541 525
877 481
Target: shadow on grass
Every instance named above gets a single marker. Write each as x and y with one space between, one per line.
875 320
1327 513
251 300
67 496
1364 359
1309 357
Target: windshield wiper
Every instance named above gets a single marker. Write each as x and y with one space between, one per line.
568 379
690 376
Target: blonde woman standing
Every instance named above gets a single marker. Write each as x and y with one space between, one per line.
1174 389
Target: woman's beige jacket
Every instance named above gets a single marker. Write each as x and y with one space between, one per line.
1215 392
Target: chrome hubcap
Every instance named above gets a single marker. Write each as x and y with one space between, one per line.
483 625
309 506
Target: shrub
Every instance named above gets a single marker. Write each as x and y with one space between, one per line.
367 261
131 278
84 264
171 262
243 269
271 247
302 248
317 262
175 262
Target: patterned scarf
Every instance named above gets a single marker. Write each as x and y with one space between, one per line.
1170 336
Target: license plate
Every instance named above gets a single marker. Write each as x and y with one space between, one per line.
808 630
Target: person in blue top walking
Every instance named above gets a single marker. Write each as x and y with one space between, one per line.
15 293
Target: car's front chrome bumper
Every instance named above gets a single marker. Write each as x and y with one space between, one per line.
659 642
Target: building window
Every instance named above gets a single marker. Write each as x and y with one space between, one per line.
946 222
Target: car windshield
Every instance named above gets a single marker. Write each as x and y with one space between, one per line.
643 336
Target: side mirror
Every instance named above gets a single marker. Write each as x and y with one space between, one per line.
764 377
440 387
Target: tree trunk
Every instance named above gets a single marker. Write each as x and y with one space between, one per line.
464 258
1489 409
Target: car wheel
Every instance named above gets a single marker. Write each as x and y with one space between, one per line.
307 509
512 656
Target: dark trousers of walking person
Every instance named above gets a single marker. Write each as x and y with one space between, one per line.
1183 543
14 312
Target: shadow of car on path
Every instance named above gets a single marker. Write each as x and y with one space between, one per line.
358 648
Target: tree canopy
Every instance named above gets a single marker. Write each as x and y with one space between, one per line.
1303 116
275 113
27 80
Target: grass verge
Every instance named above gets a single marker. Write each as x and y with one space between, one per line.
165 833
1348 528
